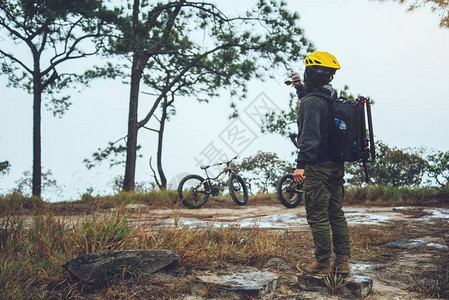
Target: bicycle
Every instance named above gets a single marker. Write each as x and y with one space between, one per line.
288 192
194 190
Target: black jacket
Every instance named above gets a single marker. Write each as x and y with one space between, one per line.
313 120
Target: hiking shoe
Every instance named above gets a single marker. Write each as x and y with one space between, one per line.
322 268
341 264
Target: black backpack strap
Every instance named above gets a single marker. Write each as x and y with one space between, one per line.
321 94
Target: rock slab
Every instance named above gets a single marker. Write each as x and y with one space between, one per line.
99 266
355 286
244 282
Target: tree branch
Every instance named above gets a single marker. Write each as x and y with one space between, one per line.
167 29
16 60
154 173
150 129
177 78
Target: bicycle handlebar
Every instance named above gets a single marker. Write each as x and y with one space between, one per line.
232 159
220 163
225 162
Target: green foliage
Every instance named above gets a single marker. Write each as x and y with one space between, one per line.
60 30
114 153
263 170
438 167
393 166
5 166
344 93
222 56
24 184
140 187
439 6
282 122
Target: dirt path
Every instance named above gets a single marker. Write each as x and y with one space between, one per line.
279 217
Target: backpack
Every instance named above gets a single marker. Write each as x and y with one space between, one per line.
348 140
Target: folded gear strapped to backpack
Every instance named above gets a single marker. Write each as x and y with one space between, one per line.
348 139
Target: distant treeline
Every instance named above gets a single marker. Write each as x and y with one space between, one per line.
393 167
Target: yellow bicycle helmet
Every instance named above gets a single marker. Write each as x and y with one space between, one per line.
324 59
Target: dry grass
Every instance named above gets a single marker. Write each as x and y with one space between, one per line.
334 283
382 195
435 285
32 256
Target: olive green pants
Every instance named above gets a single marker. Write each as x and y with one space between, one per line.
323 198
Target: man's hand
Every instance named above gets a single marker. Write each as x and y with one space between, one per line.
298 176
296 80
293 79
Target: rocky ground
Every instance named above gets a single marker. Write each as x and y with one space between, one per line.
410 266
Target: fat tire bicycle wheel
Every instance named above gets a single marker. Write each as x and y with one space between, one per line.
288 192
193 191
237 189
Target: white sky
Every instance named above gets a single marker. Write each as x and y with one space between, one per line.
398 58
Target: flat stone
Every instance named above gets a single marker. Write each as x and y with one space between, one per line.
359 285
246 282
405 244
97 267
354 286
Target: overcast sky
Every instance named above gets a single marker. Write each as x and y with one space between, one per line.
397 58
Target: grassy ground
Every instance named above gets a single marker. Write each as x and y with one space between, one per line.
32 256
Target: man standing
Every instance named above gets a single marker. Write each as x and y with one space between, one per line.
323 178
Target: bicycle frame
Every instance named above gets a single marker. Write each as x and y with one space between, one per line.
214 190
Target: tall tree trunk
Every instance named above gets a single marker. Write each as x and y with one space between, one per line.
139 61
131 144
37 167
163 183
